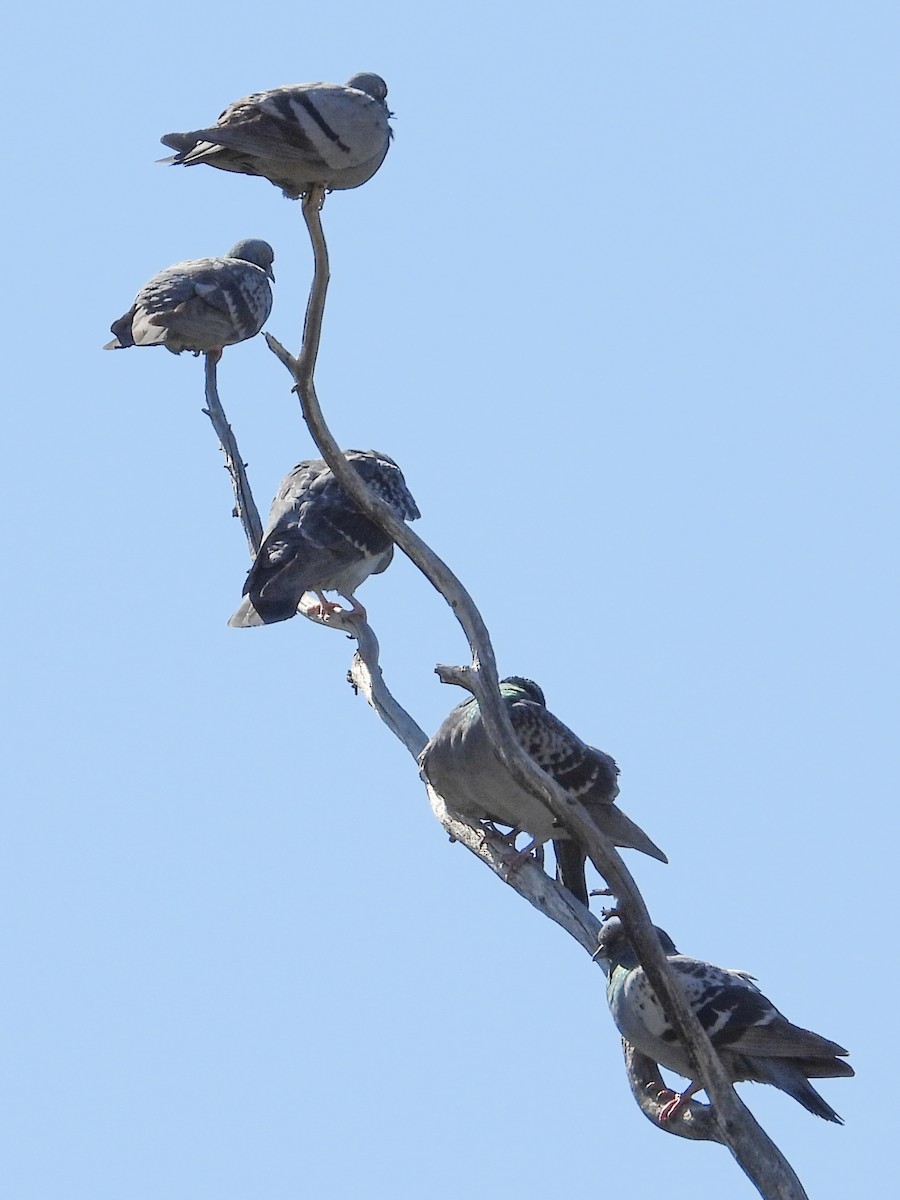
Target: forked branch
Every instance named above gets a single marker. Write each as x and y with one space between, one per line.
727 1120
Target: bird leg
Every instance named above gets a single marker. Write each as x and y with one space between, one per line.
356 609
326 607
525 853
320 611
678 1102
508 839
522 856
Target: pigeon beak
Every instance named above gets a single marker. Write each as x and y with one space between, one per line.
271 274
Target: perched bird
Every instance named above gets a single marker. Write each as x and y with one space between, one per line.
317 540
335 134
753 1039
460 764
202 304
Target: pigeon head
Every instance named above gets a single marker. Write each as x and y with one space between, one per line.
528 686
372 85
615 946
380 454
255 251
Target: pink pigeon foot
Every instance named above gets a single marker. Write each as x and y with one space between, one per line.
678 1102
326 608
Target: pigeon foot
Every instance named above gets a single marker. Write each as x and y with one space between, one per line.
678 1102
326 608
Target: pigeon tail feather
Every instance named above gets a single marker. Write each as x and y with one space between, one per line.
182 142
570 863
122 330
245 616
622 831
248 615
788 1076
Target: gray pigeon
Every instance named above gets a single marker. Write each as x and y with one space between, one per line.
460 764
202 304
753 1040
317 540
297 136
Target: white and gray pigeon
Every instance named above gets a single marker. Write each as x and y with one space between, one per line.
317 540
754 1041
202 304
297 136
460 764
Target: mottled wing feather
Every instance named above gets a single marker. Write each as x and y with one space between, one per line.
344 117
257 136
581 770
737 1016
330 520
175 286
204 302
315 532
726 1007
293 486
385 478
314 536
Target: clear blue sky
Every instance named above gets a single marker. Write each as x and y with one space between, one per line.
622 302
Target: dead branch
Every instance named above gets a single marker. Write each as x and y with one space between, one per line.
244 504
732 1122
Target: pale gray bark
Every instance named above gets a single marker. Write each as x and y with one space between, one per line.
726 1119
244 504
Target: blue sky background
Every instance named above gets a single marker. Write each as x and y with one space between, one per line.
622 302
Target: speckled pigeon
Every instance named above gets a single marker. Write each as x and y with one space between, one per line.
460 764
202 304
753 1039
317 540
297 136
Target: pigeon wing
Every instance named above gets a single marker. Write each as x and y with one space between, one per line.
318 128
586 773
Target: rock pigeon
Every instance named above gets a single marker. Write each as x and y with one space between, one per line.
202 304
317 539
460 764
297 136
753 1039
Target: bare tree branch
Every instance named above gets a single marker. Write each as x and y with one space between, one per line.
244 504
652 1095
526 877
733 1123
366 677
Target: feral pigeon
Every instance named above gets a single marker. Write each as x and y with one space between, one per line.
297 136
460 764
753 1040
317 540
202 304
